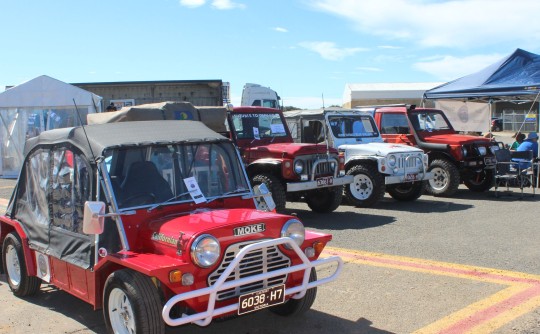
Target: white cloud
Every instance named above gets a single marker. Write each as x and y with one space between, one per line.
449 67
227 4
329 50
280 29
446 23
192 3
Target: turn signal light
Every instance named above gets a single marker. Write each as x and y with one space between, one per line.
175 276
318 246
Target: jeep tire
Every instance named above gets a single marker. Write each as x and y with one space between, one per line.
276 188
446 178
367 188
294 307
20 283
408 191
324 200
132 304
479 181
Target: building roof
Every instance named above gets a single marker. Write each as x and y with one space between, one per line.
391 90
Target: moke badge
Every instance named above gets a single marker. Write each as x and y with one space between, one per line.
250 229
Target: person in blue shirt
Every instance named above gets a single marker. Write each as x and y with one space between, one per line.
529 144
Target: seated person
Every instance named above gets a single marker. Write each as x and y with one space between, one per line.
519 138
529 144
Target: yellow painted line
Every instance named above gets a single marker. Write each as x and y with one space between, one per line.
521 296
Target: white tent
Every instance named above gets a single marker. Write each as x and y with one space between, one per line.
37 105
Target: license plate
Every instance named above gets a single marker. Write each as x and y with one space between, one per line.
325 181
261 299
411 177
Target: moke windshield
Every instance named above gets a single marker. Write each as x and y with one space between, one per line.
162 174
432 121
352 126
258 125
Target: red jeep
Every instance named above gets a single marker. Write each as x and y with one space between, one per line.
453 157
156 223
290 170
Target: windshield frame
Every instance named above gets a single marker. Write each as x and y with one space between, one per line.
438 115
237 174
249 134
330 118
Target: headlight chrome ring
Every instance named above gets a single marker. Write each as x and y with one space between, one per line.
295 230
205 250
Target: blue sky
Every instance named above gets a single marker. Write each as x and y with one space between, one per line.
303 49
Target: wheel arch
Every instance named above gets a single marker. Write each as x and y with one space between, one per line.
264 166
366 160
7 227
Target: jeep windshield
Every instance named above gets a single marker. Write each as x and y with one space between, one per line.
352 126
258 125
434 120
159 174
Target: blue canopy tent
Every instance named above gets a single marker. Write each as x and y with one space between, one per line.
515 78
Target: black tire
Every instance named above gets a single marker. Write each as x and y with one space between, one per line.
14 265
324 200
409 191
446 178
367 188
480 181
274 185
138 297
293 307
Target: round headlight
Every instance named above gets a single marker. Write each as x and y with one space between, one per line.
482 150
205 250
464 151
298 166
494 148
294 229
391 160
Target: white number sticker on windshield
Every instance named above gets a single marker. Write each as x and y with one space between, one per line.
194 190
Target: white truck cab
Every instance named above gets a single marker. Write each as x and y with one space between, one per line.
259 96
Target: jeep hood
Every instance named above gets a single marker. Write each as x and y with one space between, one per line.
381 149
454 139
291 150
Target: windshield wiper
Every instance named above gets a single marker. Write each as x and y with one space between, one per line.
169 200
232 192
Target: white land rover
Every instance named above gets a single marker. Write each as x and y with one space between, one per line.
376 166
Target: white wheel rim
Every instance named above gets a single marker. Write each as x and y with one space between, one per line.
440 179
362 187
13 266
121 313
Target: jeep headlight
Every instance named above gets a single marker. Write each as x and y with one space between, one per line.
494 148
391 160
482 150
464 151
205 250
298 166
295 230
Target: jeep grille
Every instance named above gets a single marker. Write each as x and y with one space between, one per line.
255 262
412 162
323 167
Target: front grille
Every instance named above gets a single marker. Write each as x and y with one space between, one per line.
403 160
255 262
324 166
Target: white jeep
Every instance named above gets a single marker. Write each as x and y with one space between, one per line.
376 166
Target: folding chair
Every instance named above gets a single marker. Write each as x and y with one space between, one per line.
505 170
524 161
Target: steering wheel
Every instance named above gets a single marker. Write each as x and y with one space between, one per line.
138 199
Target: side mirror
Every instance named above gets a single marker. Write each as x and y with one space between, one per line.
263 198
93 221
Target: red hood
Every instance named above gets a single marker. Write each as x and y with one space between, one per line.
291 149
454 139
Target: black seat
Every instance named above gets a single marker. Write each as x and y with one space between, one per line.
144 184
508 171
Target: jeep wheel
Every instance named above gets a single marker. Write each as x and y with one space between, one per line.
131 304
367 187
324 200
409 191
445 180
480 181
294 307
277 189
15 268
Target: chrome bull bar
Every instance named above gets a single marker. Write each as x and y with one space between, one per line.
204 318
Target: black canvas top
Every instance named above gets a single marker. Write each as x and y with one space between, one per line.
109 135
